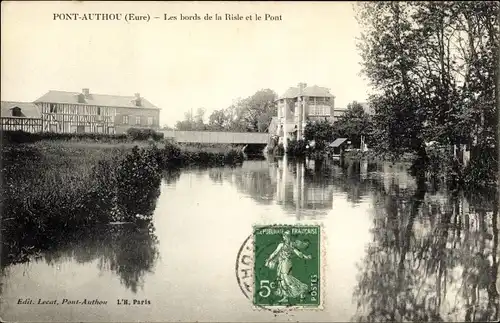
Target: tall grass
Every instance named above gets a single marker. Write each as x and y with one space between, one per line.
53 190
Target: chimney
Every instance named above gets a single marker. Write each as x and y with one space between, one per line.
301 87
138 99
86 92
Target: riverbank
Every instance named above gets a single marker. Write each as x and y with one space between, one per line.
54 189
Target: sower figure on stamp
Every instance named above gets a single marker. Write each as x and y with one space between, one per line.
288 285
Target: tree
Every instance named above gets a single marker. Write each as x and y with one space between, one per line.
433 68
388 50
199 123
218 120
354 124
322 132
258 109
186 124
252 114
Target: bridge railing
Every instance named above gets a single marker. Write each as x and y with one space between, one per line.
217 137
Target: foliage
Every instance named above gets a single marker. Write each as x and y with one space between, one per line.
174 155
193 122
19 136
252 114
354 124
296 148
144 134
433 68
133 134
52 191
427 247
322 132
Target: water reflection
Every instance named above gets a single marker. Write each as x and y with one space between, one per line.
301 187
129 249
422 254
434 253
433 257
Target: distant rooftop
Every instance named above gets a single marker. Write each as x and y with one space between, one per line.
85 97
28 109
316 91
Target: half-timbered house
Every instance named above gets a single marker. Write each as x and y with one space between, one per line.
95 113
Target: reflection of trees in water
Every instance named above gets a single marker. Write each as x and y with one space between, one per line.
171 176
433 258
125 250
129 250
254 181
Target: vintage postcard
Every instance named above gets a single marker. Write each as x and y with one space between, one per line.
249 161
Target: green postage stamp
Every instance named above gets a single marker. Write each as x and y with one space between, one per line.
287 266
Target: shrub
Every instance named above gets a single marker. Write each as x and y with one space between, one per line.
64 190
144 134
19 136
296 148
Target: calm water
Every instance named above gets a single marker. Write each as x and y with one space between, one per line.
394 250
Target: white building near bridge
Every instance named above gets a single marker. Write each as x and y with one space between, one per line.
299 104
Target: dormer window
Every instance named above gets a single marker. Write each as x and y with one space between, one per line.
16 112
81 98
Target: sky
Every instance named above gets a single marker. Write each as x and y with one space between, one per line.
184 64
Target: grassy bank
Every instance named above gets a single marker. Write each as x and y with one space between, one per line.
53 190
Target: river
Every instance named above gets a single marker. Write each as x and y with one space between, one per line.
394 251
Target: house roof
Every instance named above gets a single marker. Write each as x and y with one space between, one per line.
314 90
28 110
337 142
95 99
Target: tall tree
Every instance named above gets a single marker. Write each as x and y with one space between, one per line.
433 67
252 114
388 49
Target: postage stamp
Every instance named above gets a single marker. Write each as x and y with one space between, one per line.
279 267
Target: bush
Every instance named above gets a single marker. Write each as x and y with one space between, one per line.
52 191
296 148
144 134
20 137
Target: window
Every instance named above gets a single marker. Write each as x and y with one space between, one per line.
53 108
150 121
125 119
319 110
16 112
98 111
137 120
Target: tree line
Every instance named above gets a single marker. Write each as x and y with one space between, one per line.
433 67
251 114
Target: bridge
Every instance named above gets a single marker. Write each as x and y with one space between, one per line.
254 142
217 137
